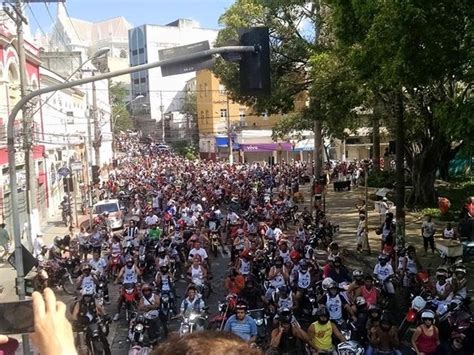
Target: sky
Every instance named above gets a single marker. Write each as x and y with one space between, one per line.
137 12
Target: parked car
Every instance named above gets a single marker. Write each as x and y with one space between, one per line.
116 212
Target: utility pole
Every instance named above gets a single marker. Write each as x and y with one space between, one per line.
229 132
69 176
97 140
28 133
19 19
89 166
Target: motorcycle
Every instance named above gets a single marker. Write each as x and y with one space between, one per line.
193 322
214 239
115 265
130 298
261 319
96 337
137 335
166 310
226 309
52 276
412 317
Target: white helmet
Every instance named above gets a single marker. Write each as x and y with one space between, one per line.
418 303
360 301
328 283
427 314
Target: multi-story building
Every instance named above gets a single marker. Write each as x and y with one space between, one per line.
163 97
219 117
9 95
75 35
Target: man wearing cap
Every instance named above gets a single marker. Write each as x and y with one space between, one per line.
38 246
4 240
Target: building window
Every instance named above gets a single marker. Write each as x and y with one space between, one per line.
141 50
202 115
136 81
134 52
205 89
242 115
143 80
223 113
200 90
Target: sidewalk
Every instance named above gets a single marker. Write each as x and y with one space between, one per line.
52 228
340 207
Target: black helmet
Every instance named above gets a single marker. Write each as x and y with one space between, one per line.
57 241
285 316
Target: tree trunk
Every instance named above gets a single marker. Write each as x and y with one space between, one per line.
376 143
447 155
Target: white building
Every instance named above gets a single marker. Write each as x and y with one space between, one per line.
162 95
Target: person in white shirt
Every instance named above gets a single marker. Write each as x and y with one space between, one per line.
383 270
151 219
197 250
383 209
39 247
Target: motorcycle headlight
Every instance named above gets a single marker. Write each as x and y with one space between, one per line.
165 298
346 334
139 327
221 307
259 322
184 329
312 299
193 316
129 290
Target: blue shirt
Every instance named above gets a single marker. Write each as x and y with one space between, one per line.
246 329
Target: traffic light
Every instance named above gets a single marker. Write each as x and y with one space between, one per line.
68 185
255 66
95 174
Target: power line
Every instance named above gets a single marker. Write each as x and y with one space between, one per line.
72 24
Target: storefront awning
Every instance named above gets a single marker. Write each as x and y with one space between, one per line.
266 147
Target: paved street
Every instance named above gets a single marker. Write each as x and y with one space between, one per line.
340 207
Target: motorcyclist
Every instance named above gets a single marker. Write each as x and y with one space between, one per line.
130 273
383 338
197 274
339 272
383 271
335 303
358 281
459 281
87 282
192 302
241 324
278 276
368 291
162 258
244 263
150 304
301 280
99 269
288 337
252 295
322 331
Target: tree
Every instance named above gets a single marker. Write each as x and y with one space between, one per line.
120 115
309 80
417 56
189 110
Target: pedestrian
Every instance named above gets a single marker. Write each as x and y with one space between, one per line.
4 241
361 232
428 231
383 209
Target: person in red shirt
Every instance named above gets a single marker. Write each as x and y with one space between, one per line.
234 282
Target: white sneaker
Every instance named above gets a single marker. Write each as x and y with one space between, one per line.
116 317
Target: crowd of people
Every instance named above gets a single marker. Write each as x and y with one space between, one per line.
282 297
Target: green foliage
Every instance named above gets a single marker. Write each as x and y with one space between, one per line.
381 179
120 116
186 150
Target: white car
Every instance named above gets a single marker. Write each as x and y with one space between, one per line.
116 213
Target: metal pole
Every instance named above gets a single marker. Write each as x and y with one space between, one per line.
68 163
19 105
18 18
96 125
229 133
88 150
162 109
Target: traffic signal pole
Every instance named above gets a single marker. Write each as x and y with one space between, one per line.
25 99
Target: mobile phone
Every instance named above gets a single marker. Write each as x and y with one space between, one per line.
16 317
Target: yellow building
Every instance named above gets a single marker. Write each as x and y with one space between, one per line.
217 113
